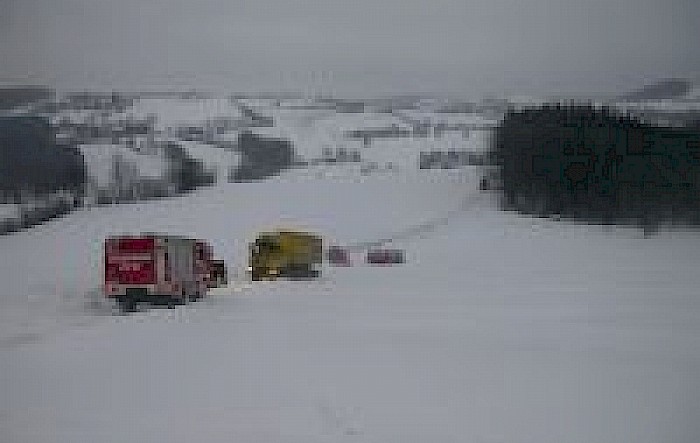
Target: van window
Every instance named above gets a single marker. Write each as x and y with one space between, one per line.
266 245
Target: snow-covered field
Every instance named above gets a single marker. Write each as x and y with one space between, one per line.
177 112
100 158
499 328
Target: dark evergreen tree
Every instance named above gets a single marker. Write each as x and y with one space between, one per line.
595 165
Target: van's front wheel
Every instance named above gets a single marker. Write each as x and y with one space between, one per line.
256 275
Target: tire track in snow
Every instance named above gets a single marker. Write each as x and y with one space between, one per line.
417 231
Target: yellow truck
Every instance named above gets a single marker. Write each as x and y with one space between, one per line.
286 254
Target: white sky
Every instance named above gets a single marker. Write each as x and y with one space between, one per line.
359 47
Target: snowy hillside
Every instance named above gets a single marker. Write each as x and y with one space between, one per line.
131 157
499 328
177 112
100 159
214 158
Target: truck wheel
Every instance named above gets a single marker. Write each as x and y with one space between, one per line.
127 304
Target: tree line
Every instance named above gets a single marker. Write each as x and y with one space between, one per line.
30 161
596 165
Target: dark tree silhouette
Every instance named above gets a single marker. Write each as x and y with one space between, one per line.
261 157
596 165
30 159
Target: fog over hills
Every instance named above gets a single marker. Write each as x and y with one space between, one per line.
356 48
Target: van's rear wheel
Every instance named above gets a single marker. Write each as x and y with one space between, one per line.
300 272
197 295
126 304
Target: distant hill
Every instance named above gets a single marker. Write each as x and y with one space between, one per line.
665 89
13 96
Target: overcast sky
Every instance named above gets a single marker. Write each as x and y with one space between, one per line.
350 47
